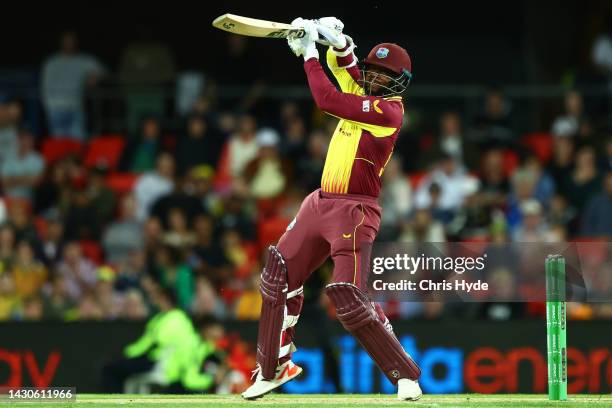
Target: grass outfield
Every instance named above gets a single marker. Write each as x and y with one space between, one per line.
320 400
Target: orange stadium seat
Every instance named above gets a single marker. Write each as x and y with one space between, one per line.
511 161
416 178
54 149
121 183
105 150
540 143
40 223
270 230
92 250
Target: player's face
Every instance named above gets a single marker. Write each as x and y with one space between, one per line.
377 80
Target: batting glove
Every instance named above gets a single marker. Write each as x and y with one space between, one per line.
330 29
305 45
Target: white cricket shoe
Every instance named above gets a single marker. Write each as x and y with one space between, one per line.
408 390
284 372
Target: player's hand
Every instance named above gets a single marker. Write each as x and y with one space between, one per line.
304 45
330 29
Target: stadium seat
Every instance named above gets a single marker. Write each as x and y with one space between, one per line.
92 250
105 150
511 161
416 178
54 148
40 223
270 230
121 183
541 144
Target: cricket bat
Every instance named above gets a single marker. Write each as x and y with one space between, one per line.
253 27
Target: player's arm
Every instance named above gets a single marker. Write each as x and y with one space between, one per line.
343 65
377 115
367 110
341 58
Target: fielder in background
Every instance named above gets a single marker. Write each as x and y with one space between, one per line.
341 218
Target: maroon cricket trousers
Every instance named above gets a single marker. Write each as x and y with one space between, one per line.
342 226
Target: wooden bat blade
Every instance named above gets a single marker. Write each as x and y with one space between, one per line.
254 27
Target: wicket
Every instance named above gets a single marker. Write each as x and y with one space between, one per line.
556 328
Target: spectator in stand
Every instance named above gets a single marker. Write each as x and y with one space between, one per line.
422 228
242 146
131 270
110 301
236 217
396 198
494 126
206 301
153 185
495 185
29 274
267 175
174 274
10 302
585 180
22 171
32 309
560 213
145 62
240 51
81 220
22 221
532 228
310 165
7 247
58 304
178 236
141 151
568 124
207 257
562 161
451 140
125 235
200 181
523 186
52 242
597 218
134 306
10 117
184 196
88 308
472 221
55 190
248 305
242 256
79 272
152 239
294 144
101 198
65 76
201 145
454 182
544 185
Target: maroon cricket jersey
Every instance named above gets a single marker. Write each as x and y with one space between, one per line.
363 141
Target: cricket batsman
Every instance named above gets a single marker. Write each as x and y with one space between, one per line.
343 216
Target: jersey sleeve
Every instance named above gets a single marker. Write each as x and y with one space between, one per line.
379 116
343 65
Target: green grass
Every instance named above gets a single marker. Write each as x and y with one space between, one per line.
320 400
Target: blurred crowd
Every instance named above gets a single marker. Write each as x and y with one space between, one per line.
214 185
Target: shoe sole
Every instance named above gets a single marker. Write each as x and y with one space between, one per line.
254 397
411 399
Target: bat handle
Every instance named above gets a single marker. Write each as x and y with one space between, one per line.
300 33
